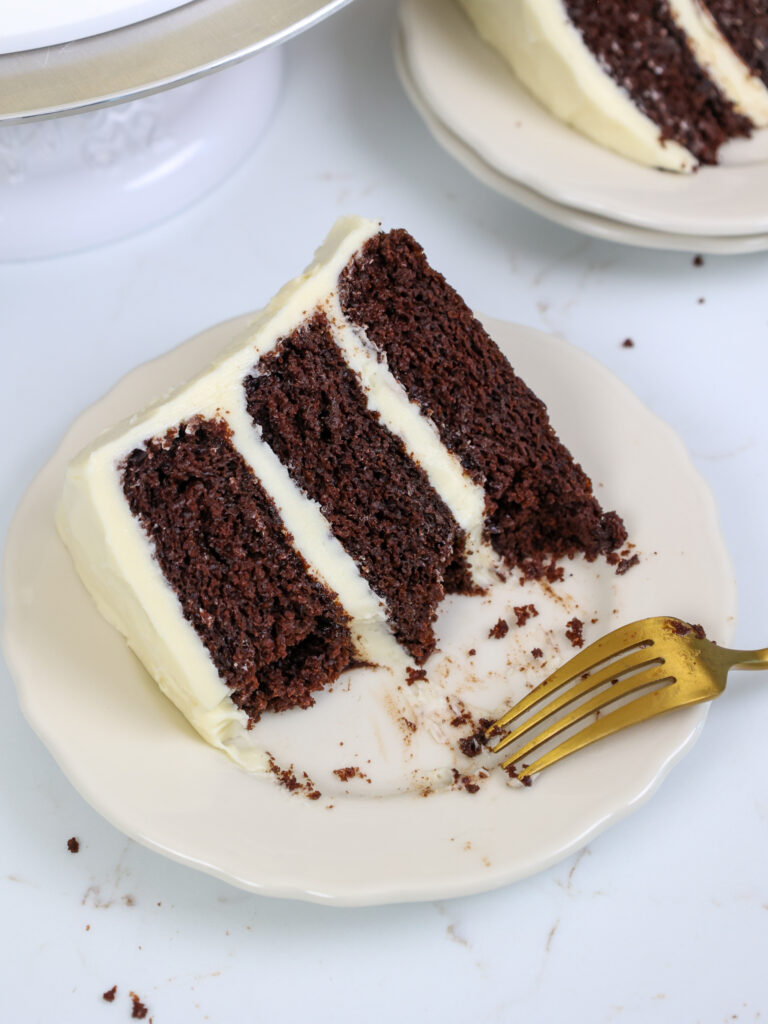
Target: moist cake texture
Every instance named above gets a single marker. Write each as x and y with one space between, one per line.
313 414
303 504
274 634
538 501
647 54
659 81
744 23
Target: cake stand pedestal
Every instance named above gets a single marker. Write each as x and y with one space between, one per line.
72 182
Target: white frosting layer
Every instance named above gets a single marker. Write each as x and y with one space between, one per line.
724 66
114 556
550 57
422 442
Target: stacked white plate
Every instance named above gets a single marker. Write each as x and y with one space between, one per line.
479 112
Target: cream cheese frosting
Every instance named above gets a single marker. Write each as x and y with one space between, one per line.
549 56
114 556
734 78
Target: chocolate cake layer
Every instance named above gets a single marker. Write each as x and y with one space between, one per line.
539 502
644 51
381 507
274 633
744 23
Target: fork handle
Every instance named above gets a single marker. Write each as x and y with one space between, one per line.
749 659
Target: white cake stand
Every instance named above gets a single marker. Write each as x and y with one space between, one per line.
69 183
132 150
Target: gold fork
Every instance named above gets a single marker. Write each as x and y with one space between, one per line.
666 655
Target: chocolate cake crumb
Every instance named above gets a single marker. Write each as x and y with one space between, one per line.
109 995
472 745
537 652
413 675
680 628
284 776
466 782
499 630
573 632
73 845
625 564
139 1010
462 719
525 612
409 724
554 573
698 261
512 773
627 343
345 774
471 652
287 778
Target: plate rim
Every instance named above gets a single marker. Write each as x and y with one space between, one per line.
369 894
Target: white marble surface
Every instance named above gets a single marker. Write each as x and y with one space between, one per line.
665 917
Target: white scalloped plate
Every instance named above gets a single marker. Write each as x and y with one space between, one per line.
471 90
135 759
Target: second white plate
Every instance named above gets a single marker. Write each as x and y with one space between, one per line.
414 831
568 216
474 93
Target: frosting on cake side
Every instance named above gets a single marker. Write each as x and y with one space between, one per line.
551 59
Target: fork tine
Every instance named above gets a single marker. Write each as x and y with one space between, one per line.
610 646
634 660
640 710
599 701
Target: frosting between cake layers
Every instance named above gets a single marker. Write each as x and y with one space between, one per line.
387 397
114 556
551 59
744 89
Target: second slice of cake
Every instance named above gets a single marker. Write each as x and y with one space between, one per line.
305 503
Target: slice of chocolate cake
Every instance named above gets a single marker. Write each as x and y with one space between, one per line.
538 501
306 502
730 40
654 80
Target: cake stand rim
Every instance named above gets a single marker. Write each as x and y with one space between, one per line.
146 57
